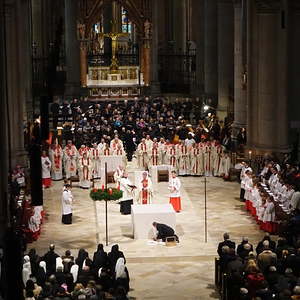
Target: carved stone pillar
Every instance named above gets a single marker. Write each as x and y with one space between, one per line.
197 35
225 56
83 64
16 66
210 50
240 93
267 84
72 49
155 86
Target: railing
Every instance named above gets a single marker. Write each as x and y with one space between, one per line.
221 281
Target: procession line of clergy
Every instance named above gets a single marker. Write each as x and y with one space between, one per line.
86 161
259 197
186 158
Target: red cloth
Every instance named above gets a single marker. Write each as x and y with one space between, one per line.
46 182
176 202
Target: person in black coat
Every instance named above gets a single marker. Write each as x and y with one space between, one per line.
114 255
227 242
260 246
50 259
163 231
100 258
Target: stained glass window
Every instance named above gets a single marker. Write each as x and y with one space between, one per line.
126 23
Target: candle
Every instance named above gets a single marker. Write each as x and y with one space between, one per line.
110 191
118 187
102 187
250 153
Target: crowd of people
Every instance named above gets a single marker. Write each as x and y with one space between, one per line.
98 277
270 271
87 122
274 187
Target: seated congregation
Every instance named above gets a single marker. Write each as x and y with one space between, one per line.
269 271
99 277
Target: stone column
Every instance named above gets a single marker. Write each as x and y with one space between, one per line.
15 20
240 94
198 36
267 90
210 51
225 57
179 29
72 49
83 64
155 87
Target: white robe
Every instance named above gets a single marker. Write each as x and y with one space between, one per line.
196 159
85 172
174 187
95 156
124 187
67 200
269 214
56 156
70 163
46 167
225 166
183 162
142 153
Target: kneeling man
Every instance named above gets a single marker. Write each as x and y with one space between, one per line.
164 231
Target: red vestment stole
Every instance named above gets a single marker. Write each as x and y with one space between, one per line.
207 163
172 157
154 157
144 191
71 152
85 168
196 152
56 155
183 152
106 152
144 149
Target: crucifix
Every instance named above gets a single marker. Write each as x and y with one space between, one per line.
114 35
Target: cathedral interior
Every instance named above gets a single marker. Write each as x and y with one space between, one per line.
238 57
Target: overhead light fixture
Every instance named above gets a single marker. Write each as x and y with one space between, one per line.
206 107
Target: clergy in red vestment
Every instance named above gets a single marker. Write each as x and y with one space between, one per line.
145 189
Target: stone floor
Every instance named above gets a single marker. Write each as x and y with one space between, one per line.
157 272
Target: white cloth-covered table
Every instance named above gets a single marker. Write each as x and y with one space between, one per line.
144 215
153 170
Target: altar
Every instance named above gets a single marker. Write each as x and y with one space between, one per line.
102 83
144 215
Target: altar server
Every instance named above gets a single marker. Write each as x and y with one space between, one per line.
174 187
46 168
67 201
145 189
